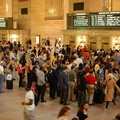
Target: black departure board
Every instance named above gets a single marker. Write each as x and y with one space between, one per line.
103 20
98 20
81 21
113 20
94 20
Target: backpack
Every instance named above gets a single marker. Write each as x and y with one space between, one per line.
50 75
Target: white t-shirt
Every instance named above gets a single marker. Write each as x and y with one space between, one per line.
78 61
2 69
29 95
12 56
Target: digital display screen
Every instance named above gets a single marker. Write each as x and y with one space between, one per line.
2 24
105 20
80 21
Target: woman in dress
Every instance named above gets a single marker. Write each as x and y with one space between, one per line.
63 114
82 112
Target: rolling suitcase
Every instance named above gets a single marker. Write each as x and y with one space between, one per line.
9 84
98 96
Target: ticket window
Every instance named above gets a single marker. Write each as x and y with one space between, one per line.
93 45
72 43
105 46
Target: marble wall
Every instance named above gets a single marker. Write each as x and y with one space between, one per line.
5 8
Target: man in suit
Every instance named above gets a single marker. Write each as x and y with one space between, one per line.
63 83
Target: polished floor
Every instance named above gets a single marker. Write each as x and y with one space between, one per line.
11 108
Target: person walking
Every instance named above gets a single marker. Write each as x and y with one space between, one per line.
110 84
63 83
29 105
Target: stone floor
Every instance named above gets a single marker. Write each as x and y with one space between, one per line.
11 108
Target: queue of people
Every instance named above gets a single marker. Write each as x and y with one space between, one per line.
75 74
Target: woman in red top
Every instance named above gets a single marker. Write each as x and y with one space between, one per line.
20 72
28 69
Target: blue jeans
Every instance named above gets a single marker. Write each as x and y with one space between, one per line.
81 97
1 83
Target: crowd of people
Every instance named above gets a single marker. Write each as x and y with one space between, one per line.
73 74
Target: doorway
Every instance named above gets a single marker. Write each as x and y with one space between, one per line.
105 46
93 45
72 41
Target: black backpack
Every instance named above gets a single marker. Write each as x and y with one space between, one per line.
50 75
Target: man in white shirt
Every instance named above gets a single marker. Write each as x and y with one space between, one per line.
29 105
1 76
12 55
79 60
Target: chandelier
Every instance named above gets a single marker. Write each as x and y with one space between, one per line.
52 9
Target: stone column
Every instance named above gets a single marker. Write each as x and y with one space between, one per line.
66 10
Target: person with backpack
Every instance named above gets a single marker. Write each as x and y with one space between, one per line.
53 81
82 87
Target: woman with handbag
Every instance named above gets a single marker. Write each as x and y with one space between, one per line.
63 114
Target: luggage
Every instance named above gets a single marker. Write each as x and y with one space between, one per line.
98 96
9 84
24 84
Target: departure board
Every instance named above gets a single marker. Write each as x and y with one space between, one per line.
105 20
113 20
94 20
81 21
98 20
2 24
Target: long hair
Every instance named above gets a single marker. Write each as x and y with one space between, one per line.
63 111
82 106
